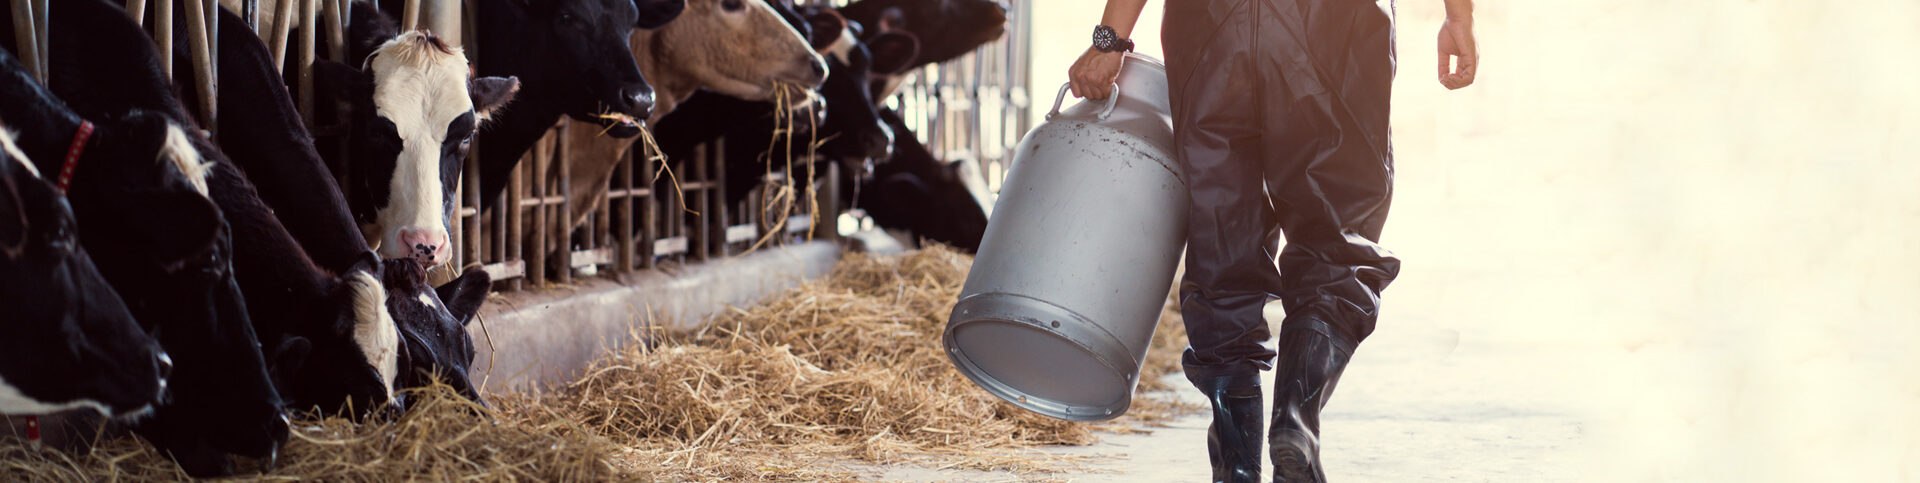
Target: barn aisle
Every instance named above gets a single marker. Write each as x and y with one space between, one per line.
1656 241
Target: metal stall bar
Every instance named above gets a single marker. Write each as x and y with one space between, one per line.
281 27
138 10
561 215
25 35
200 47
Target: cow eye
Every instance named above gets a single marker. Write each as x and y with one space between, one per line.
732 5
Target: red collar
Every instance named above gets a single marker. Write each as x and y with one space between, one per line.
73 155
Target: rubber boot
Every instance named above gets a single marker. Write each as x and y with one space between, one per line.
1233 440
1309 366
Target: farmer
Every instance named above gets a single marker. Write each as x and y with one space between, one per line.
1280 122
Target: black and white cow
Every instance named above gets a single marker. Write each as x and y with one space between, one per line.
67 341
572 58
924 195
139 193
434 326
338 320
947 29
414 114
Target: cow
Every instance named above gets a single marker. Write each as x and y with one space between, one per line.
924 195
68 341
413 114
947 29
851 129
338 349
572 58
741 48
138 192
434 328
342 319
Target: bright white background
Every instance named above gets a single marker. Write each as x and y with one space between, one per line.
1703 216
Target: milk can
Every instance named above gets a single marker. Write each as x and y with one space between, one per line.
1078 255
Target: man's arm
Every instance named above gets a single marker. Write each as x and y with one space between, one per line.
1092 76
1456 40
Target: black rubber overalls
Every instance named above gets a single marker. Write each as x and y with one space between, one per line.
1280 118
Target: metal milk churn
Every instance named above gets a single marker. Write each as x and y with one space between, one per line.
1078 255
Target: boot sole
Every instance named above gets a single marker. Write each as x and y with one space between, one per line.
1293 466
1292 463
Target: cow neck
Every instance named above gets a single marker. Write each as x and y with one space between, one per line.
670 86
510 135
264 137
274 273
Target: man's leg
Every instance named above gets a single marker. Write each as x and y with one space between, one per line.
1330 172
1230 274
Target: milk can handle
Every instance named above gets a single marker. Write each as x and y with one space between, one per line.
1113 99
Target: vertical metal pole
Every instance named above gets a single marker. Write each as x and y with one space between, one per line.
516 250
336 30
649 208
309 16
202 53
282 26
717 234
699 236
537 256
163 34
563 249
28 41
410 17
470 194
443 18
138 10
40 29
623 225
250 12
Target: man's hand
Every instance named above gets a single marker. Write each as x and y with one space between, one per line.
1456 40
1093 75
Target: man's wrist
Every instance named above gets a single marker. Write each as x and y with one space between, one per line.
1459 10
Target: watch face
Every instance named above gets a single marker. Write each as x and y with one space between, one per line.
1103 38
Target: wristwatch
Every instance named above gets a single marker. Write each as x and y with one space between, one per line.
1104 40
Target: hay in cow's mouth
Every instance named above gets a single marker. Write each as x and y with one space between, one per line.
849 367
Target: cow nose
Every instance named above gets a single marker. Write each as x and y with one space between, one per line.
819 69
165 363
426 245
879 148
639 101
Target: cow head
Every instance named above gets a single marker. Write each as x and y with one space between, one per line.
140 194
415 113
741 48
853 129
573 55
348 361
433 325
947 29
68 341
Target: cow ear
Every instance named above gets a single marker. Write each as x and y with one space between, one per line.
489 94
892 19
341 81
893 52
827 27
464 295
657 13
